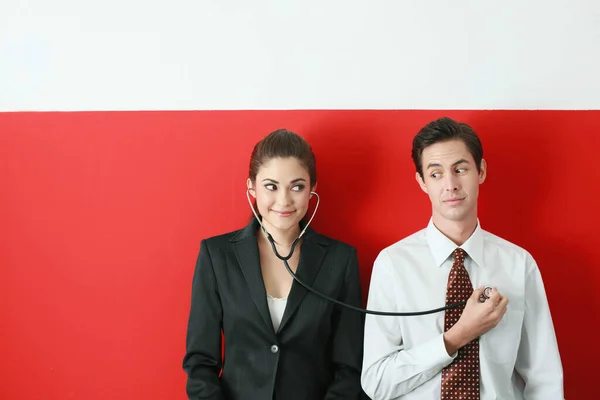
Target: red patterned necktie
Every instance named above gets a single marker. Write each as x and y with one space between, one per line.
460 379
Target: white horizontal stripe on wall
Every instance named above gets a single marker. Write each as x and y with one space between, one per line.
315 54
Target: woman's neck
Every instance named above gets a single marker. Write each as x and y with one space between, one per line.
280 236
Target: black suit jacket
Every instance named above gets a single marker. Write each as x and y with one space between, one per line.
317 352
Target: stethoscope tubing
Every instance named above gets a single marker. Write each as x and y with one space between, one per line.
285 259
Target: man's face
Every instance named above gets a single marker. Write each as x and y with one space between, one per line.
451 180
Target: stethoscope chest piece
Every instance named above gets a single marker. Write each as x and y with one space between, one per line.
487 293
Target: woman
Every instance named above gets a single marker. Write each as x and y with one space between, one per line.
281 341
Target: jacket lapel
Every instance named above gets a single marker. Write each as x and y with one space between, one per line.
246 252
313 250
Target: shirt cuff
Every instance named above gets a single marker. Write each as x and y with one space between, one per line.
436 352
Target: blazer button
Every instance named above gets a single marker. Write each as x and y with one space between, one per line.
274 349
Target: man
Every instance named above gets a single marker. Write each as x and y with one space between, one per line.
487 349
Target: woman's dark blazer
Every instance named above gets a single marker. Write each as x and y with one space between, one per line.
317 352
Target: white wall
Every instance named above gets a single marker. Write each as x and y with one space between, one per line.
244 54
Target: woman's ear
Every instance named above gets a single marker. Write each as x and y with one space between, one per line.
313 189
250 188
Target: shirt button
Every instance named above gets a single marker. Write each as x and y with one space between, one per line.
274 349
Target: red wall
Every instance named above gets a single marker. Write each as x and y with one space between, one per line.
101 215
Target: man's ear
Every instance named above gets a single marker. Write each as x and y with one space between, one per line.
250 188
421 182
482 171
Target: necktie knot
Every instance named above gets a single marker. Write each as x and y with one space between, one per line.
459 255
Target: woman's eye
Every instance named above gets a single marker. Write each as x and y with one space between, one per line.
270 186
297 188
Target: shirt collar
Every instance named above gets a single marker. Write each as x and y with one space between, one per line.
441 247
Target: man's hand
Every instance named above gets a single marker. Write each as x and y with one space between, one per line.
477 318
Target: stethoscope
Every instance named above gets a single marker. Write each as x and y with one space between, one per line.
486 292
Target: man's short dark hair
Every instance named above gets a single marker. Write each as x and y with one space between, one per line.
442 130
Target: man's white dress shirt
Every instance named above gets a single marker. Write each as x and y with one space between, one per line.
404 356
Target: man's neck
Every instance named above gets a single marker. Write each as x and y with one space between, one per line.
457 231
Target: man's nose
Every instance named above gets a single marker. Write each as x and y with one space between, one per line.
452 183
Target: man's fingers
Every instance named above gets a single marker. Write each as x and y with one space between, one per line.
496 297
477 293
